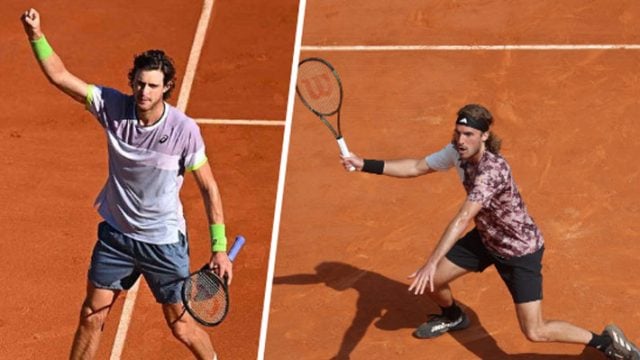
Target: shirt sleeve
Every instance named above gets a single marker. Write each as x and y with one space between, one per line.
94 103
443 159
195 155
102 101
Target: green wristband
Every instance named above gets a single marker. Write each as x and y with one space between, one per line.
218 237
42 48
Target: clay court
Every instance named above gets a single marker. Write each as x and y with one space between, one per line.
567 116
54 160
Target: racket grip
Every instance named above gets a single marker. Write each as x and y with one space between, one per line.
344 150
235 249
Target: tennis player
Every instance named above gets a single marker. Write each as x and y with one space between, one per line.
151 145
504 236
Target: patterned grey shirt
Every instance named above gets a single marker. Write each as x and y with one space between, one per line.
503 222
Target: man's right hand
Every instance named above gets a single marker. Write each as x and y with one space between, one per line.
352 161
50 62
31 22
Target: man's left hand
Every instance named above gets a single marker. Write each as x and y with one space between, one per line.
221 265
423 278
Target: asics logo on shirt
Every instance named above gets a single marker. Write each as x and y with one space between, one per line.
164 138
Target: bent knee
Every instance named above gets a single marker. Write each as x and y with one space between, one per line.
93 319
182 330
535 334
179 331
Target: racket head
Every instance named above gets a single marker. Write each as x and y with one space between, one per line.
319 87
206 297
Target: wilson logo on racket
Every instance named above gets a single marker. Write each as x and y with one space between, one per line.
318 86
320 90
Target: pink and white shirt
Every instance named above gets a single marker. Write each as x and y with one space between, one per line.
146 166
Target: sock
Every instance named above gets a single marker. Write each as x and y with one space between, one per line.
452 312
600 342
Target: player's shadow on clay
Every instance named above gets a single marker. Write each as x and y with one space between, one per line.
388 305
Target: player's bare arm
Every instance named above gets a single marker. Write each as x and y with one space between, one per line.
50 62
425 274
213 207
406 168
401 168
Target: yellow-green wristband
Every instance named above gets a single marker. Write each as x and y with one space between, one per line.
218 237
42 48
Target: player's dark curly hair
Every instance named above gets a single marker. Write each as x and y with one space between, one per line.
480 113
155 60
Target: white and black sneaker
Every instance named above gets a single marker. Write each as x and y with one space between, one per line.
620 348
439 324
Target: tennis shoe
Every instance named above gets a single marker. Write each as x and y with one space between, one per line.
438 324
621 348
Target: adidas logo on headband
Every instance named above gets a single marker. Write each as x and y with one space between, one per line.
471 122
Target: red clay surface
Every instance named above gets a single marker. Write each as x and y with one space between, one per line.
54 160
348 241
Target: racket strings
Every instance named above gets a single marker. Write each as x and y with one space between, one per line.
319 87
207 297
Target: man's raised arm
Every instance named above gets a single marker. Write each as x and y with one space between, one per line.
49 61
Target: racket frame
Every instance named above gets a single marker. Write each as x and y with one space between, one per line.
233 252
337 133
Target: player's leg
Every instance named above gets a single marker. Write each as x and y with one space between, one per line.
451 317
523 277
94 311
187 330
468 254
537 329
110 272
164 268
611 342
446 272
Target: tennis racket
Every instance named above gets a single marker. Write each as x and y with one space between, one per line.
205 295
320 90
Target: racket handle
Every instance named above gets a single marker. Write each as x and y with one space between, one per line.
344 150
235 249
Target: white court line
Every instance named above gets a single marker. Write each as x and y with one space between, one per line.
469 47
194 56
183 99
241 122
125 320
281 177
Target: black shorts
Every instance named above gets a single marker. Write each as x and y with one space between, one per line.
522 275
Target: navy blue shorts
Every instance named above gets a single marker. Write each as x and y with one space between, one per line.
117 262
522 275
